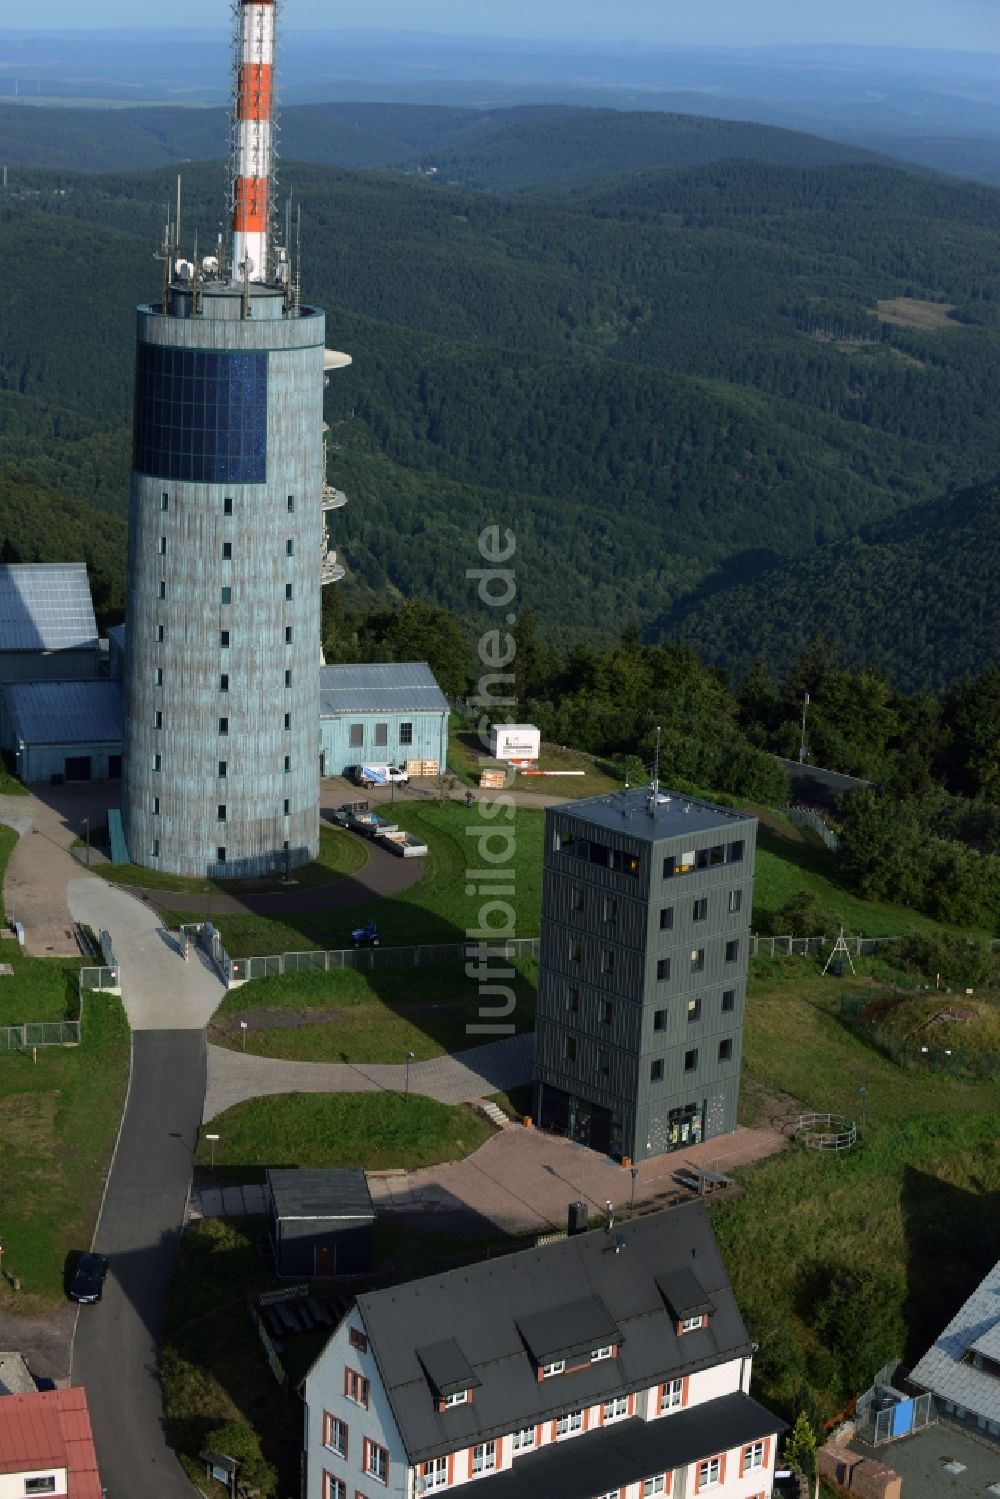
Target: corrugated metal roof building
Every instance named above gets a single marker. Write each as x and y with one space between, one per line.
67 730
322 1221
374 714
47 625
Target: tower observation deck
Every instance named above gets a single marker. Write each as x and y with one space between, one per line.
227 541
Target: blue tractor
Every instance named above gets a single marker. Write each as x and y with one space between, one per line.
365 936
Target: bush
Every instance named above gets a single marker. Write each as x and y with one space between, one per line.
963 961
236 1440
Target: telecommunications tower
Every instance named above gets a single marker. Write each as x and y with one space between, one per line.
227 530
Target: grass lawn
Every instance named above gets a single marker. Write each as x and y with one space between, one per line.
790 859
436 909
339 853
373 1130
58 1122
8 843
917 1200
9 784
39 988
467 757
366 1017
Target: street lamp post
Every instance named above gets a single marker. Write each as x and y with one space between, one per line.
631 1206
211 1140
243 1028
86 834
409 1058
864 1108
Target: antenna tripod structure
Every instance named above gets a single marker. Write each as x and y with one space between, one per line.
840 946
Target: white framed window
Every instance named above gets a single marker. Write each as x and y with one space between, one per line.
601 1353
692 1324
569 1424
557 1367
709 1473
671 1396
334 1434
611 1494
656 1484
334 1488
753 1456
42 1485
484 1457
523 1441
376 1462
356 1388
435 1473
616 1409
460 1397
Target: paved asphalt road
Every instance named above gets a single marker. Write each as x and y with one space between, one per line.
115 1354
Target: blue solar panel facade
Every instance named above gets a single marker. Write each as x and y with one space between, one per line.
201 415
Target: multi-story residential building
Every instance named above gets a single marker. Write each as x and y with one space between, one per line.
613 1363
646 903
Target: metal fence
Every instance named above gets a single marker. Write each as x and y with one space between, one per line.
806 947
915 1050
104 977
805 817
274 965
826 1131
885 1414
40 1033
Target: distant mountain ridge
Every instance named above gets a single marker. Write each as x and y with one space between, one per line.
531 147
916 595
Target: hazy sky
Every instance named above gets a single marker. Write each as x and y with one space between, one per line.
959 24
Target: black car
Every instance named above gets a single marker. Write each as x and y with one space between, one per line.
88 1278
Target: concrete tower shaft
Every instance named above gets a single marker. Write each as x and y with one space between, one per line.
253 137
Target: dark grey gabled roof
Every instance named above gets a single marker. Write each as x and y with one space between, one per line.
322 1195
482 1309
571 1328
447 1367
629 1451
46 606
684 1294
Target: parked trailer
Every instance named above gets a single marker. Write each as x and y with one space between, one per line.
399 841
359 817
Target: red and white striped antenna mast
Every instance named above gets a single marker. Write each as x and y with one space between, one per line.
252 166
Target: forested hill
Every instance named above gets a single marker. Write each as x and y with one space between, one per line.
548 148
916 596
688 372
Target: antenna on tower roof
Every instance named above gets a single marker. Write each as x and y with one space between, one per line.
654 789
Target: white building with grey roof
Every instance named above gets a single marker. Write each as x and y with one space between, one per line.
612 1363
962 1368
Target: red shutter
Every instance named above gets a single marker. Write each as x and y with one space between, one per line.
685 1389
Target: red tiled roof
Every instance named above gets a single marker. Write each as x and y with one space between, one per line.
50 1430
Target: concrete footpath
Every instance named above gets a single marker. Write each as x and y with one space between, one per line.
235 1076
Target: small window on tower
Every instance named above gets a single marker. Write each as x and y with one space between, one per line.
156 806
221 812
288 590
223 725
224 682
156 848
289 547
227 595
291 503
163 546
157 762
163 589
223 769
224 640
159 676
287 806
157 719
288 679
227 506
220 853
227 551
159 634
288 634
164 502
288 763
288 720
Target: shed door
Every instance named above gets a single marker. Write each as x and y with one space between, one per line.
78 767
324 1259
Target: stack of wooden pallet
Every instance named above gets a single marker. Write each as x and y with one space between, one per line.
422 768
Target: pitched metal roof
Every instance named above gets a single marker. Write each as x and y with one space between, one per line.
400 687
45 606
482 1307
341 1192
943 1369
66 712
50 1430
601 1461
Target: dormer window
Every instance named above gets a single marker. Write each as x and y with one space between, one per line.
558 1366
602 1353
692 1324
460 1397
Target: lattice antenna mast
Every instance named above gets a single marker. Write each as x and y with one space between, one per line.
252 164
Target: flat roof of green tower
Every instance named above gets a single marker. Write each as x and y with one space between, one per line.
641 813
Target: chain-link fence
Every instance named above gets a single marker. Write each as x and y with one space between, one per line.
869 1014
241 970
805 817
40 1033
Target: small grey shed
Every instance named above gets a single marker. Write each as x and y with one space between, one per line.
321 1221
